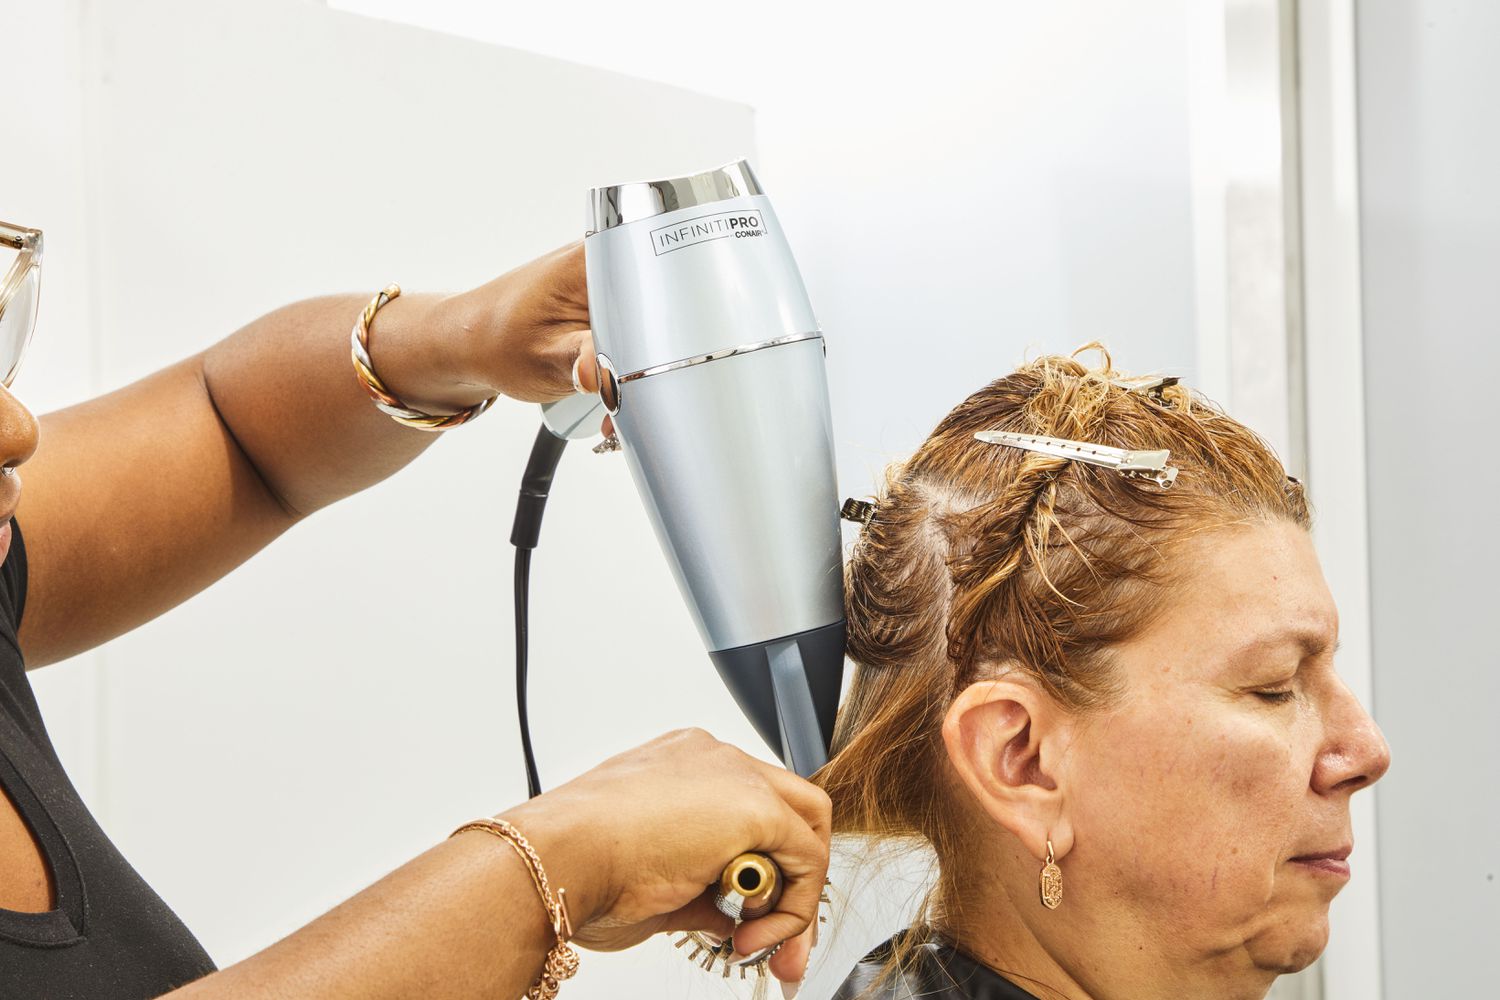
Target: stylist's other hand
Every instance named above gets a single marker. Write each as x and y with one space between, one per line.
520 334
636 840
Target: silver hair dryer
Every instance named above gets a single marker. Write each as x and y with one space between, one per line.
712 366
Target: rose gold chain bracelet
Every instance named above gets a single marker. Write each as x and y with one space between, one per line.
562 961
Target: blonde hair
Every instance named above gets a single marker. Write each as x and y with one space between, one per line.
979 553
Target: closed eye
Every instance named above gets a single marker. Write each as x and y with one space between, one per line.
1276 697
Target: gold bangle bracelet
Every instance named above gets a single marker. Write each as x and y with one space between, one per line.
562 961
385 400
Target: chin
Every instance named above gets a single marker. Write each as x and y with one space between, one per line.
1292 945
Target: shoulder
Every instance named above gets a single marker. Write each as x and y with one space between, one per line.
933 969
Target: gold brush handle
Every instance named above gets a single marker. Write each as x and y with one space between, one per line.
750 887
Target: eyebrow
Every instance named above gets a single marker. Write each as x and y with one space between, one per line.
1311 641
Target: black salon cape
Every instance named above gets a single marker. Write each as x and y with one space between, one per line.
936 971
110 937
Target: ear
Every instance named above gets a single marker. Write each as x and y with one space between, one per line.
1005 739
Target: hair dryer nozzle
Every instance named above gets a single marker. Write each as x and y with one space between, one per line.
789 689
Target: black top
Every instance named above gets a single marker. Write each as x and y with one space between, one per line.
111 937
936 970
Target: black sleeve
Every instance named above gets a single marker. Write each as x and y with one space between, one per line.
13 582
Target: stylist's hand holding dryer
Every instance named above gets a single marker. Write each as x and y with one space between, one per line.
137 500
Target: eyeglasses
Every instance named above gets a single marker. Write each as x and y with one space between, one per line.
19 294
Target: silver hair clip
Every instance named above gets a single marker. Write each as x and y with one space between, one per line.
1152 387
1150 465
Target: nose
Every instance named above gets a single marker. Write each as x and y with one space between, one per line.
1355 753
18 430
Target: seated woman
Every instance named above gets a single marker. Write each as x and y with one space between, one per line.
1108 705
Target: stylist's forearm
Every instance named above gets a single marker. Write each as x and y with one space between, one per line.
285 387
461 921
144 496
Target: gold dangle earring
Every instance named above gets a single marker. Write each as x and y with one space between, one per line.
1051 882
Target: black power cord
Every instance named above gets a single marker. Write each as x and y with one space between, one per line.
546 452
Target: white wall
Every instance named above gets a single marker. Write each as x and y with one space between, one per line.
1430 219
961 186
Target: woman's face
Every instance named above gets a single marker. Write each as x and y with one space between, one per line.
1212 802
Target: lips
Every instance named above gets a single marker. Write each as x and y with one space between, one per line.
1334 863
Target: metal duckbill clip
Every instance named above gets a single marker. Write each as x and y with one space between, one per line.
1151 387
858 511
1150 465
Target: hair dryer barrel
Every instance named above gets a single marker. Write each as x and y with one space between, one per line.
712 364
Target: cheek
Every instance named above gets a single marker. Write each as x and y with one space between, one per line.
1192 809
